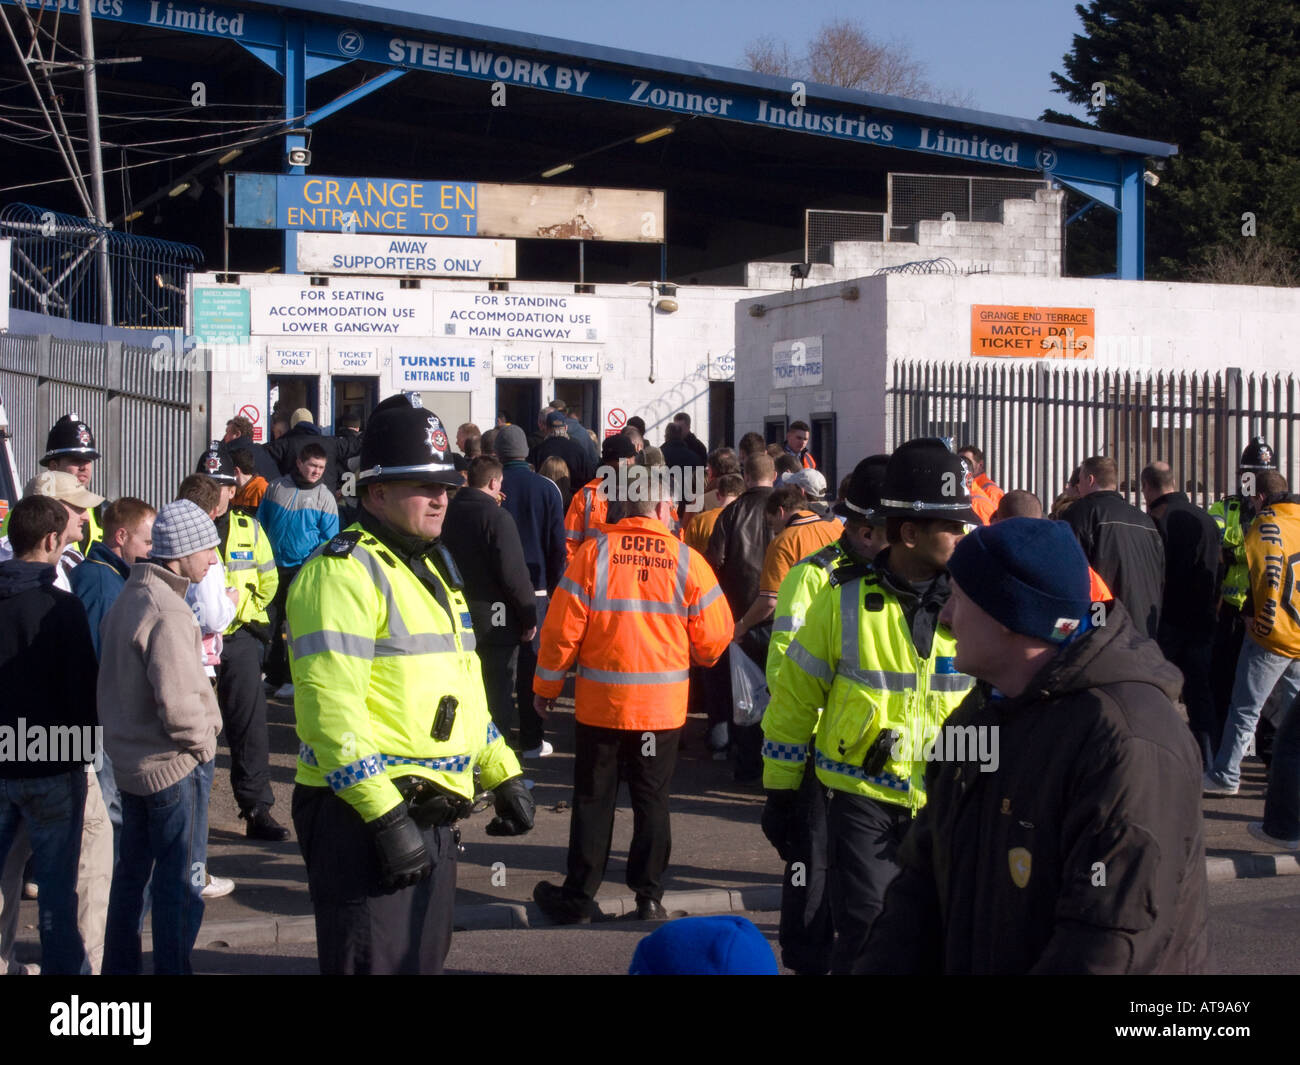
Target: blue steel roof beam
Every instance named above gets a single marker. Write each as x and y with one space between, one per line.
352 96
272 57
295 108
1130 226
1104 193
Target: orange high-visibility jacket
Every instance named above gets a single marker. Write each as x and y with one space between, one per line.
990 488
981 503
635 609
586 513
1098 589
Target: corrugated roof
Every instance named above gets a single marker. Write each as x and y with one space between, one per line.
619 57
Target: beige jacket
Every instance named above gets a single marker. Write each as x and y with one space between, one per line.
159 714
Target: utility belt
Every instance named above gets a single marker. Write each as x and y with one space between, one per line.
430 805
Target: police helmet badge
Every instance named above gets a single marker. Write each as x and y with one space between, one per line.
1266 455
434 436
83 435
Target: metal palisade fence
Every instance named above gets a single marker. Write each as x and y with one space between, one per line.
1036 421
142 409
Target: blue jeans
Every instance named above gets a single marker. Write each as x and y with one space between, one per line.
1282 803
164 835
112 800
52 809
1258 671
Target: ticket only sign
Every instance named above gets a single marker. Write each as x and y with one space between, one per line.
1032 332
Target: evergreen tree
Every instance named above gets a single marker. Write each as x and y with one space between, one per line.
1219 78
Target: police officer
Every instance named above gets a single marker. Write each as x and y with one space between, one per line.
391 714
250 570
872 653
806 931
1233 514
70 446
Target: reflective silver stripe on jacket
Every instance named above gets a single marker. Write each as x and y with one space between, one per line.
706 600
609 676
602 602
548 674
881 679
951 682
809 662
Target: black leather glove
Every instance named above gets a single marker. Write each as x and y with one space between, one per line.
514 806
403 858
780 821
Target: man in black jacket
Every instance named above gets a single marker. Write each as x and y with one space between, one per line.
239 435
689 438
736 551
1079 847
1189 613
1120 542
48 722
484 542
303 431
559 444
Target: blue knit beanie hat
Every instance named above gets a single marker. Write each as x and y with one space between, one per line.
1029 574
705 946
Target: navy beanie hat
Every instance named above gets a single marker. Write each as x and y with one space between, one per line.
705 946
1029 574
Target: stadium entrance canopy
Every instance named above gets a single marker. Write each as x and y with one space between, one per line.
380 93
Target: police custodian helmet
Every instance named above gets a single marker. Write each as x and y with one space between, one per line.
925 480
862 499
1258 456
217 465
404 442
70 437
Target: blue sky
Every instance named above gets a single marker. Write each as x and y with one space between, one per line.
1000 51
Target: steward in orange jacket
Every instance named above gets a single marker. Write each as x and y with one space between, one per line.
634 610
590 506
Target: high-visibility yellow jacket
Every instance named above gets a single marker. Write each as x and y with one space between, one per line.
806 578
1227 513
373 652
94 531
634 610
250 569
1272 551
854 656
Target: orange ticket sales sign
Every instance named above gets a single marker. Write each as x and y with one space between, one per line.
1032 332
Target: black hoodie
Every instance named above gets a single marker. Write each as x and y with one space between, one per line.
47 669
1082 852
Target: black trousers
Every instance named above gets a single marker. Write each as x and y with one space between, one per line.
807 931
863 840
277 655
1191 653
1228 636
243 715
603 757
532 730
360 928
498 664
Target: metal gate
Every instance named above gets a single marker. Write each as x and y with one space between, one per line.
145 411
1036 422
